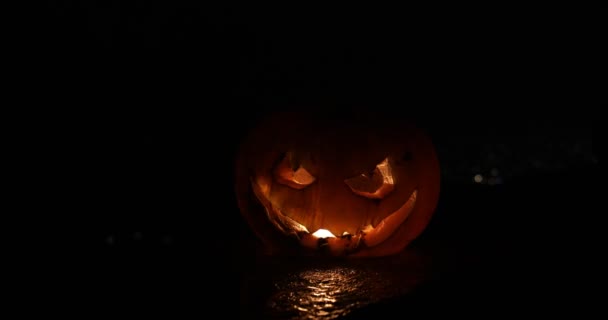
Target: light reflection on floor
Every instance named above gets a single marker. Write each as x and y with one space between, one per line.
330 292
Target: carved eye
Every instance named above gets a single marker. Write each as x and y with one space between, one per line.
374 185
289 172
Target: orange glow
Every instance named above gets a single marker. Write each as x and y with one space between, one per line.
375 186
302 176
298 179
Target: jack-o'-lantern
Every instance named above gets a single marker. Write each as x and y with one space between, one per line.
347 183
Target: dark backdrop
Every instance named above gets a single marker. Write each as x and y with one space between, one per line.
160 95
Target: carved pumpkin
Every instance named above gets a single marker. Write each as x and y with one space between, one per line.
337 183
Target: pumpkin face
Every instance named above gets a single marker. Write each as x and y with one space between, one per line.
340 184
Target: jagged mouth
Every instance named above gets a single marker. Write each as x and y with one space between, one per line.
344 244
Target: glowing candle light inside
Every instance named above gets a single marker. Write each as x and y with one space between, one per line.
322 233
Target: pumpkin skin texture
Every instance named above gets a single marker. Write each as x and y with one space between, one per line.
371 179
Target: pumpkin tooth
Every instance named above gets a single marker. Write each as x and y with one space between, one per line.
367 228
335 246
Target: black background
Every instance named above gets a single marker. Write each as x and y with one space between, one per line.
159 95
